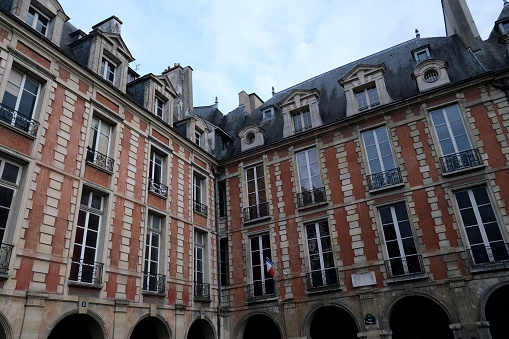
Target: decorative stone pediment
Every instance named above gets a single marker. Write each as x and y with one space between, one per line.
121 46
430 74
298 101
362 74
251 136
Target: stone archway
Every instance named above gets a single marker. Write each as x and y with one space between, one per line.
419 318
497 313
261 326
150 328
201 329
332 321
77 326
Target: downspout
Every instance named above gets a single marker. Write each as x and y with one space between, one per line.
216 171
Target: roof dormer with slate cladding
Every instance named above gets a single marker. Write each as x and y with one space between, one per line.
300 111
365 88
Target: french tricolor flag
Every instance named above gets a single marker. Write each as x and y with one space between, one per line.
270 266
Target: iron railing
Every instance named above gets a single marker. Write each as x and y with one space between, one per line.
157 188
409 265
154 282
315 196
261 290
384 179
18 120
200 208
462 160
201 291
5 257
495 254
256 211
100 160
87 272
326 278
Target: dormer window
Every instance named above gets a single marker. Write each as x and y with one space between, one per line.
367 98
302 121
430 74
108 69
158 107
198 136
37 21
422 54
250 138
300 111
268 113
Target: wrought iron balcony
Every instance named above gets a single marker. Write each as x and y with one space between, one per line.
157 188
154 282
87 272
5 257
100 160
200 208
462 160
409 265
256 211
18 120
493 255
323 279
201 291
384 179
261 290
315 196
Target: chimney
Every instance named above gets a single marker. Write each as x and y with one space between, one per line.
250 101
459 20
110 25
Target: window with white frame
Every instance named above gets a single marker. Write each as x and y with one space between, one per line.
199 194
399 241
108 69
310 180
158 107
201 288
37 21
263 283
422 55
321 259
10 174
84 266
156 174
483 233
151 279
302 121
198 137
256 193
99 144
367 98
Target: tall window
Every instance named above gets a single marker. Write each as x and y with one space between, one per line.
367 98
223 256
263 283
256 193
156 175
199 195
99 144
321 259
198 137
201 288
9 184
84 267
151 280
221 187
309 178
481 226
108 69
158 107
399 241
37 21
381 161
302 121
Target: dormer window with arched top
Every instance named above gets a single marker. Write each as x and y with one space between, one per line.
300 111
430 74
251 136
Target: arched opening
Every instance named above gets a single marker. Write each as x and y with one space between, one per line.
150 328
419 318
77 326
497 313
261 326
201 329
333 320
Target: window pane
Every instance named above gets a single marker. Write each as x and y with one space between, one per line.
463 199
493 231
393 249
93 222
10 173
474 235
481 195
468 217
6 195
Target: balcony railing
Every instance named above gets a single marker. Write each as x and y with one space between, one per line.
315 196
157 188
384 179
201 291
409 265
5 257
256 211
493 255
200 208
87 272
462 160
323 279
18 120
261 290
154 282
100 160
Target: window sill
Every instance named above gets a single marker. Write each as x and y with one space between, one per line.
316 204
154 293
324 289
18 130
201 213
462 170
202 299
83 284
257 220
408 277
495 266
261 299
4 275
385 188
100 168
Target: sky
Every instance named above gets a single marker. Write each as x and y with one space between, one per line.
235 45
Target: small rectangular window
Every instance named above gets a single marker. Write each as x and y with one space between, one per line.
37 21
302 121
367 98
108 70
158 107
268 113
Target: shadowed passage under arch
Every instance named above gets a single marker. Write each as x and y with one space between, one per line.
261 326
150 328
77 326
333 322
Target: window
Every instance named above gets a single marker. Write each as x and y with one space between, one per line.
99 144
19 101
268 113
399 242
108 70
152 280
250 138
380 159
158 107
199 195
453 139
302 121
311 190
258 206
10 174
84 267
422 55
367 98
431 75
201 289
481 226
321 259
198 137
223 256
263 283
156 175
37 21
221 187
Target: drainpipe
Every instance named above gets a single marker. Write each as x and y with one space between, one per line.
216 171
